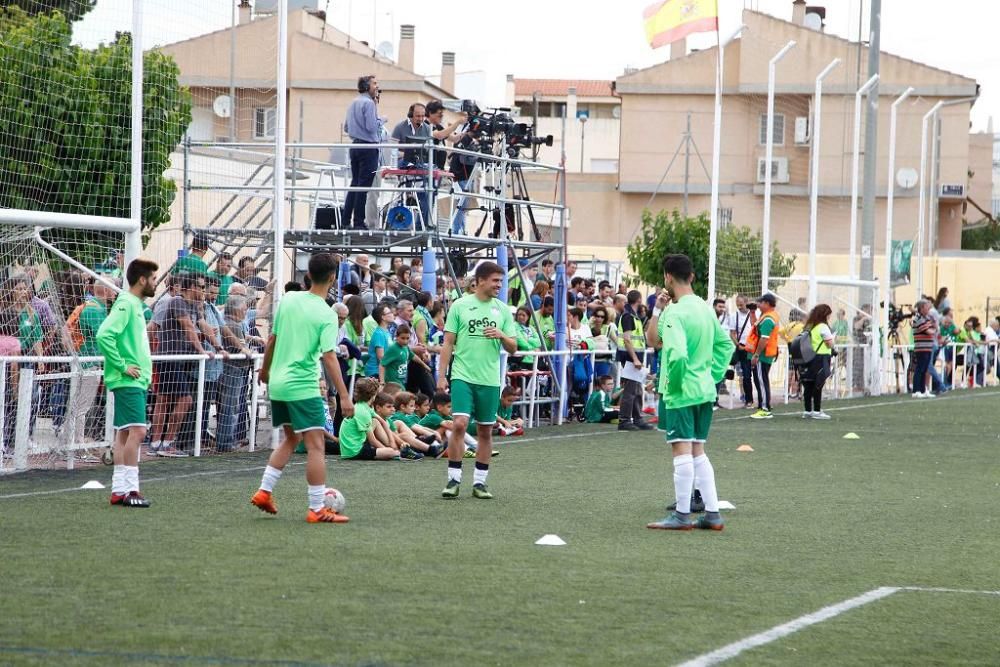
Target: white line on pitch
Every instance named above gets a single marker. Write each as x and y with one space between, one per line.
924 589
785 629
902 401
210 473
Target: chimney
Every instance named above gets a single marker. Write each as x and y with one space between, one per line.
448 71
510 92
406 47
678 49
245 12
799 12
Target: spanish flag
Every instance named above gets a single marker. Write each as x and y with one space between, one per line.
670 20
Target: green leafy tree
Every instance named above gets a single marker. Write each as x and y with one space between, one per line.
984 237
669 232
67 133
73 10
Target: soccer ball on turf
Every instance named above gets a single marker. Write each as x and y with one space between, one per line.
334 500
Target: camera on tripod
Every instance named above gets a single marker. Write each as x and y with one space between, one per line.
897 315
499 123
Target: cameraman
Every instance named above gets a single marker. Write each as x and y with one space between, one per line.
925 334
461 168
364 126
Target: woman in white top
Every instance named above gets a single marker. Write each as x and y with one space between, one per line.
813 376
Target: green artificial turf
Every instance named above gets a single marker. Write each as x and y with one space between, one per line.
204 578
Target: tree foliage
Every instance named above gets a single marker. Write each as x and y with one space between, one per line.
66 132
983 237
72 10
670 232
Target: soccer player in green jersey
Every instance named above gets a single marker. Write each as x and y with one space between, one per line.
694 357
304 331
128 370
478 325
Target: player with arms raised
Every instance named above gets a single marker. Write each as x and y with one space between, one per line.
478 325
694 357
304 331
128 370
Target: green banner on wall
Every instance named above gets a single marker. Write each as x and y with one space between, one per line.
902 253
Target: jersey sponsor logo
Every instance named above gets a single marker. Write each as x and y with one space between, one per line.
481 324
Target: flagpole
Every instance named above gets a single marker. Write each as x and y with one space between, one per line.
713 234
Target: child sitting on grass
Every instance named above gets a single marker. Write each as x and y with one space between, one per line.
599 409
439 419
399 434
358 439
406 412
507 423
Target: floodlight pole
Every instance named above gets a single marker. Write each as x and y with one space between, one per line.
852 269
814 195
133 239
890 202
713 234
922 214
766 243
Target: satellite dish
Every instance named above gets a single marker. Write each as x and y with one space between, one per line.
223 106
906 178
813 21
385 49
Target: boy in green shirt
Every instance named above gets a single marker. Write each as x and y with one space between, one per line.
406 412
695 355
128 370
598 409
397 357
358 439
304 331
402 436
507 423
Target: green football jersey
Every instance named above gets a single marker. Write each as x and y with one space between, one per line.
354 430
396 361
304 328
476 358
695 355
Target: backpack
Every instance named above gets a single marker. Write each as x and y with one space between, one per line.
800 350
754 336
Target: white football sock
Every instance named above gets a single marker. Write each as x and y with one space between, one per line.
482 470
316 496
455 472
119 482
683 481
132 478
271 477
704 479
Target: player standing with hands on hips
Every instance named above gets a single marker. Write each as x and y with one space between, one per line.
694 357
478 325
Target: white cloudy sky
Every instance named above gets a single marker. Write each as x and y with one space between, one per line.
597 40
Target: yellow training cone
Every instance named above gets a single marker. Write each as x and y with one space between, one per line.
744 448
852 436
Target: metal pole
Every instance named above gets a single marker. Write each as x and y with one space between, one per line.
766 242
687 163
583 136
280 141
254 408
713 233
933 211
871 147
232 73
922 213
199 407
133 239
814 194
564 254
852 269
891 195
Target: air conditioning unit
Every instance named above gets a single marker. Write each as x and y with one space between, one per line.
779 170
802 135
952 191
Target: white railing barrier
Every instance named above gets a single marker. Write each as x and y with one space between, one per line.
27 423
